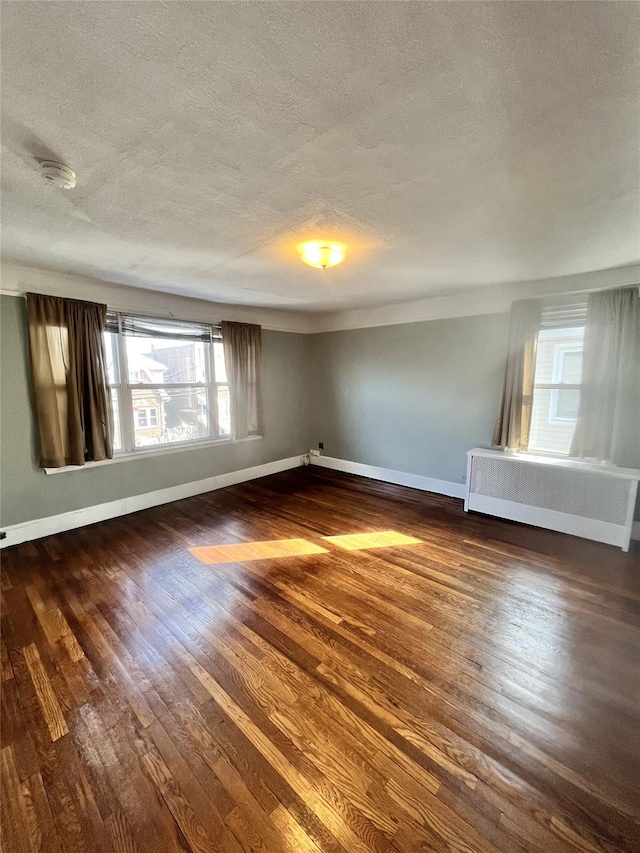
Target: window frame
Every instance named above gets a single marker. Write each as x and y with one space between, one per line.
124 388
560 351
555 386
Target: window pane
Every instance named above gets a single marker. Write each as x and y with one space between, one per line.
559 356
547 432
168 415
571 369
117 437
566 404
111 348
219 365
163 361
224 410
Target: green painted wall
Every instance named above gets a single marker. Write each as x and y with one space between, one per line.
26 492
412 397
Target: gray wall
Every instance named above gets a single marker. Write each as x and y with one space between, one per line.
412 397
27 492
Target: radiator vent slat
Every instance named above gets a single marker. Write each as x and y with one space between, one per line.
584 493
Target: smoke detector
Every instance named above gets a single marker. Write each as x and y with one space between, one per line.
58 174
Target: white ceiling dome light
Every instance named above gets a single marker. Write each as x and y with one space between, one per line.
322 255
58 174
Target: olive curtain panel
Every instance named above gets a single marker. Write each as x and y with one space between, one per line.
69 380
608 425
514 416
243 358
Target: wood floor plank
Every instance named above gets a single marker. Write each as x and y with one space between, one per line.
44 835
15 820
120 833
46 695
180 808
470 688
290 827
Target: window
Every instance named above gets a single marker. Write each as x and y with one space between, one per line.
147 418
558 377
567 370
168 382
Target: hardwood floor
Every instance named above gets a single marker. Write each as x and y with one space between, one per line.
474 692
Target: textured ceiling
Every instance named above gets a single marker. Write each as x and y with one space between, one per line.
449 145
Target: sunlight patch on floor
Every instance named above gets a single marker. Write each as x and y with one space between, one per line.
240 552
379 539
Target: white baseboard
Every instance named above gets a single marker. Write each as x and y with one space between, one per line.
39 527
36 529
399 478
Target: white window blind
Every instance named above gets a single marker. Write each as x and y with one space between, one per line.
151 327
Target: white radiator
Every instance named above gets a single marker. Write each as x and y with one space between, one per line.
591 501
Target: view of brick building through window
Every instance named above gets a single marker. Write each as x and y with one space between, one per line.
169 394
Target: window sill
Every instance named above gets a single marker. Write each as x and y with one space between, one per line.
154 452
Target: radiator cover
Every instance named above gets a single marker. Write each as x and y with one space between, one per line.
570 497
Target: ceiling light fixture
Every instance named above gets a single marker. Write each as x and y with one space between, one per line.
322 255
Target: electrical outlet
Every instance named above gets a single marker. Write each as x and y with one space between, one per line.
321 445
314 452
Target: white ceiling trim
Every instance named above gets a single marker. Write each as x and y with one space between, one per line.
486 300
17 280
